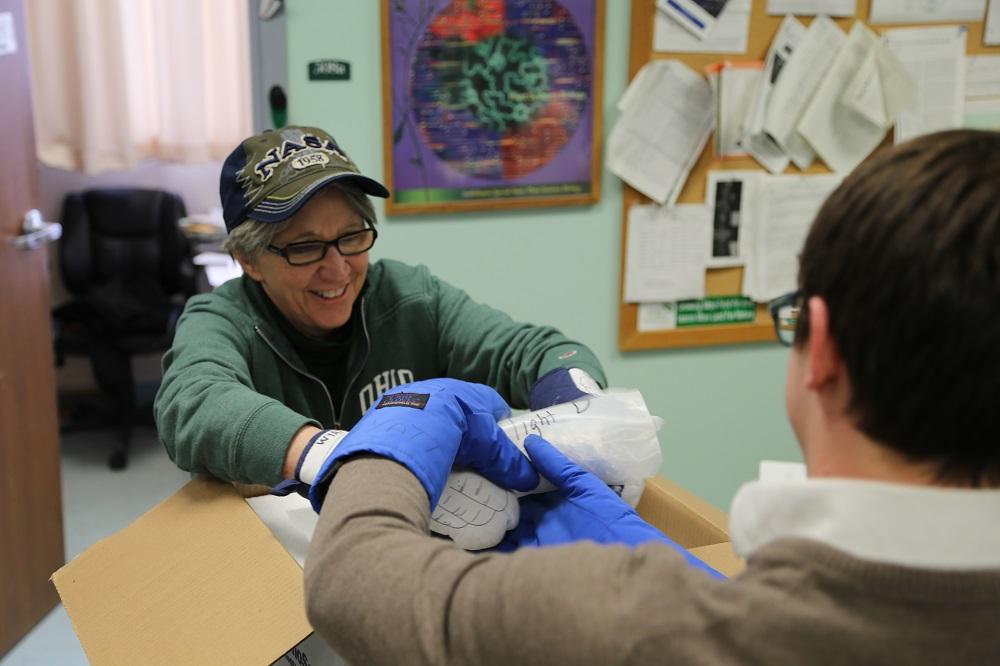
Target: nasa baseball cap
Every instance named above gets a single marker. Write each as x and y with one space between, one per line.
270 176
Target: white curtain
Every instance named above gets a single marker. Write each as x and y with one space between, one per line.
118 81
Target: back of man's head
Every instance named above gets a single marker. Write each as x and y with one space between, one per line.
906 254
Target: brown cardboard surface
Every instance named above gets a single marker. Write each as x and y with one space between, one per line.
197 579
721 557
201 579
682 515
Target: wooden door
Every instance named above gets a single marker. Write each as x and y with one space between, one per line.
31 537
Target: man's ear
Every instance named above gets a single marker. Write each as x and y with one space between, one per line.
249 267
822 353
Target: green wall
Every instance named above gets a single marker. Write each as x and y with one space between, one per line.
723 406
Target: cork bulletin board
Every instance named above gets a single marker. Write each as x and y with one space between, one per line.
722 282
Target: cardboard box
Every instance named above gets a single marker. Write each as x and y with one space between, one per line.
690 521
204 578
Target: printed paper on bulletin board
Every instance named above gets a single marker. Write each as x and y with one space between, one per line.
723 283
491 103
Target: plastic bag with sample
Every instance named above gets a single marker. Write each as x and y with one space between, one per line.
612 435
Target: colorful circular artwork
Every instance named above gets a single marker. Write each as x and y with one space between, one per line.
498 87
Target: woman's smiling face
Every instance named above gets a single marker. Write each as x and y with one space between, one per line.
315 298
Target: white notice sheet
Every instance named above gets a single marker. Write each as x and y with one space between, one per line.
728 35
666 252
862 94
982 92
755 140
697 16
991 32
738 81
800 78
926 11
982 76
667 116
786 206
935 60
811 7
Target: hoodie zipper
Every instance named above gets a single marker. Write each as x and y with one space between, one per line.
364 359
329 400
326 392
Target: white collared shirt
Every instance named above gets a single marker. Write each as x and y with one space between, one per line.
914 526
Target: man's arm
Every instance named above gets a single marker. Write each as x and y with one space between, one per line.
381 591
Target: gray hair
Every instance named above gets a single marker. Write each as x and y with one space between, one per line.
250 238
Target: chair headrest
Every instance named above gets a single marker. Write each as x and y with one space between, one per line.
130 212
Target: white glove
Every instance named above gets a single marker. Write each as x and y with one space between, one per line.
474 512
320 446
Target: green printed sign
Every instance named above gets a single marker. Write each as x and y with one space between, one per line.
329 70
716 310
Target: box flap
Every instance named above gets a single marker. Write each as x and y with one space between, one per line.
721 557
682 515
197 579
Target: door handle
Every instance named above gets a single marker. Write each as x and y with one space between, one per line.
36 231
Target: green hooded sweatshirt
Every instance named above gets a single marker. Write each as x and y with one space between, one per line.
235 390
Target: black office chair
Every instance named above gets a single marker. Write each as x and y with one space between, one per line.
128 265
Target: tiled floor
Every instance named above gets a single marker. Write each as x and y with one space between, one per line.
97 502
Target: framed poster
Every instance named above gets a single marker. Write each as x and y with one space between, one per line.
491 103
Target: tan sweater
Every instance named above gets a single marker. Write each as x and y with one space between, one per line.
381 591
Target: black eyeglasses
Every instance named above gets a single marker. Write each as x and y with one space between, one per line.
309 252
785 313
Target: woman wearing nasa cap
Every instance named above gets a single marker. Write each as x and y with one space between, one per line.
269 371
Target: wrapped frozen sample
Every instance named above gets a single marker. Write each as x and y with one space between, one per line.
612 435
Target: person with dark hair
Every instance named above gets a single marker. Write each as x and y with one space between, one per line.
888 553
906 256
269 371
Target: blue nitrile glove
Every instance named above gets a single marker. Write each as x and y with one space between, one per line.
318 449
428 427
560 385
582 508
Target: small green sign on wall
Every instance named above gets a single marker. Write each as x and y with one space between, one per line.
329 70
